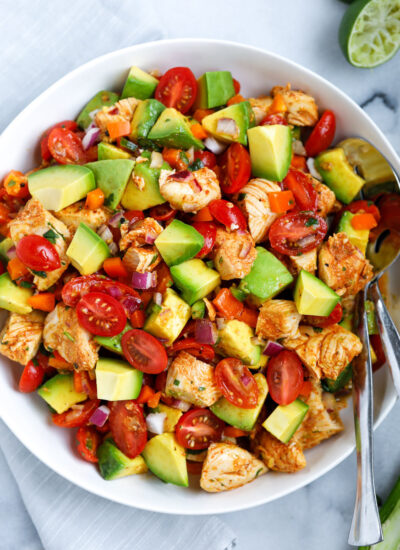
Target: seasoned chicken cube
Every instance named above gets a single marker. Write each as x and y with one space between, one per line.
228 466
260 106
253 201
21 336
278 319
342 266
189 191
306 261
302 109
322 419
120 111
192 380
326 198
62 332
325 352
35 220
234 254
278 456
143 232
141 259
73 215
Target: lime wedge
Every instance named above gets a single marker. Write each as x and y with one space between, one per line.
369 33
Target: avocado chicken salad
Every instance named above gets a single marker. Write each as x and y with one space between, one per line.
174 291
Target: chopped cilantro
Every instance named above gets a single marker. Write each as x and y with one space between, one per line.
258 472
109 199
4 342
154 258
201 388
11 183
58 233
317 329
26 284
176 382
311 221
196 165
35 361
241 196
221 260
41 274
51 236
69 336
344 268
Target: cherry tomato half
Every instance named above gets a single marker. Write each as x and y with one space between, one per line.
78 416
235 167
236 85
37 253
209 232
162 212
236 383
273 119
285 377
322 135
177 88
334 317
66 147
89 440
101 314
128 427
144 351
84 384
31 377
297 232
304 193
134 216
207 158
205 352
228 214
198 428
44 142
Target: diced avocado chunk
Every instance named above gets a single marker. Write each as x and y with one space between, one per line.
12 297
214 89
56 187
113 464
241 114
244 419
169 321
179 242
166 459
112 343
59 392
331 385
139 84
359 237
238 293
194 279
347 322
338 174
87 250
117 380
198 309
371 317
172 416
172 129
270 151
313 297
235 340
108 151
285 420
100 100
148 196
112 177
268 276
144 118
5 246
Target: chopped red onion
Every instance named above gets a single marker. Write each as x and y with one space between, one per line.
157 298
12 252
205 332
181 405
93 113
149 239
227 126
115 292
114 221
100 415
215 146
272 348
113 248
182 175
155 422
156 160
244 251
104 233
130 304
143 281
91 137
220 323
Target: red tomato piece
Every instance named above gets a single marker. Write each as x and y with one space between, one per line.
207 158
128 427
66 147
297 232
228 214
235 168
144 351
236 383
322 135
89 440
198 428
84 384
133 216
177 88
44 142
236 85
285 377
205 352
101 314
162 212
209 232
37 253
365 207
304 193
76 417
31 377
273 119
334 317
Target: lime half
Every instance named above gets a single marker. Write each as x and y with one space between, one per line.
369 33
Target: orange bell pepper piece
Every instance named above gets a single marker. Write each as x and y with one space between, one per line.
199 114
154 400
299 163
281 202
231 431
363 221
94 199
198 131
16 269
45 301
16 184
203 215
238 98
118 128
115 268
278 105
174 158
227 305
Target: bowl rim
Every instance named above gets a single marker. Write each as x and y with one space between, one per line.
23 437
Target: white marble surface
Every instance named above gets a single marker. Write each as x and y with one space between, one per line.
319 514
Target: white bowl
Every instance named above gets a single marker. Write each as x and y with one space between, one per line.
27 416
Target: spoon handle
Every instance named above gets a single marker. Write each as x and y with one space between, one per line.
366 526
389 334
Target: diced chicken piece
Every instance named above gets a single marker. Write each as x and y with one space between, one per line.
278 319
302 109
325 352
253 201
306 261
326 198
62 332
73 215
234 254
322 419
192 380
122 110
278 456
142 233
260 106
342 266
35 220
141 259
21 336
227 467
191 192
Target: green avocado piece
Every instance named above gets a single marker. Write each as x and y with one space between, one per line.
60 394
331 385
100 100
359 237
243 419
235 340
117 380
12 297
194 279
270 151
172 129
284 421
87 250
268 276
243 116
169 319
172 416
179 242
107 151
112 343
166 459
214 89
141 199
313 297
139 84
5 246
198 309
113 464
144 118
338 174
347 322
112 177
56 187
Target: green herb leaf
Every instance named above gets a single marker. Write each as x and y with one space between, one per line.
26 284
201 388
311 221
176 382
41 274
241 196
51 236
196 165
69 336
